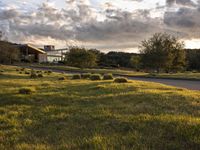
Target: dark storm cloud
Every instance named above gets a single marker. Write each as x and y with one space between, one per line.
185 20
8 14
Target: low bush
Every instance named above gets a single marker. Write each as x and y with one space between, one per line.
26 72
61 78
1 70
94 77
121 80
49 72
85 75
22 69
38 71
33 74
40 75
107 77
20 72
26 91
17 70
76 76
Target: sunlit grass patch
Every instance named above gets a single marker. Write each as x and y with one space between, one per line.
85 114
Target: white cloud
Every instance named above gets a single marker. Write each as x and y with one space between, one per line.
106 26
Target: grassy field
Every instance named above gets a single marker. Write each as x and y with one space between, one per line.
130 73
84 114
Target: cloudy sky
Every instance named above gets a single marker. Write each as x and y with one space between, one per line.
118 25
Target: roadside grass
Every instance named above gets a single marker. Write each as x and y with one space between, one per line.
129 73
185 75
84 114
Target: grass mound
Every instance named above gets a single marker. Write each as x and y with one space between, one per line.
26 90
107 77
120 80
26 72
85 75
76 76
22 69
33 74
40 75
95 77
61 78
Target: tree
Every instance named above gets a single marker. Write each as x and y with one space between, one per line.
99 56
80 57
8 52
163 52
193 57
135 62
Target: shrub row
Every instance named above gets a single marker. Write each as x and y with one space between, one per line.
92 77
35 75
96 77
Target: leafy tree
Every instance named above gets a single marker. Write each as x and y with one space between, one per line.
193 57
9 53
116 59
99 56
135 62
162 52
80 57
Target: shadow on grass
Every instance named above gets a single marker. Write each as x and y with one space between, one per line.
92 116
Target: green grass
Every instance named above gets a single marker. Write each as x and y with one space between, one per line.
84 114
185 75
98 71
131 73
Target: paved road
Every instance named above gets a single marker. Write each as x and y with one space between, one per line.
188 84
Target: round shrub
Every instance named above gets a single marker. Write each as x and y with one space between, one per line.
49 72
17 70
33 74
40 75
61 78
85 75
26 72
1 70
38 71
120 80
22 69
94 77
26 91
76 76
107 77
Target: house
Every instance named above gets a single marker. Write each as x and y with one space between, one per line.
30 53
55 55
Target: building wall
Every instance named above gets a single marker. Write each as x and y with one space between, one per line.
42 58
49 47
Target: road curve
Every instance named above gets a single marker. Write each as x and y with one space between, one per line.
188 84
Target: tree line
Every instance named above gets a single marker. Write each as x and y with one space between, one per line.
161 53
